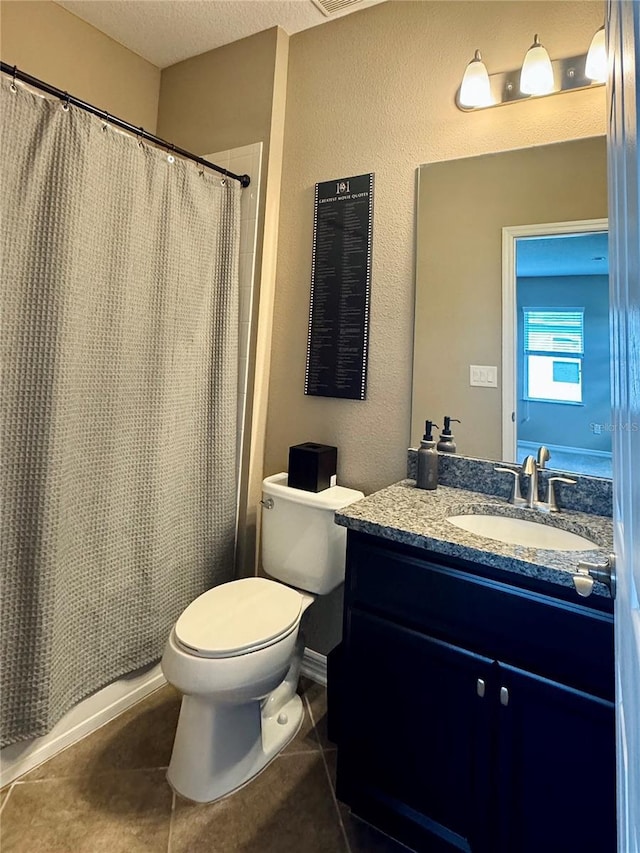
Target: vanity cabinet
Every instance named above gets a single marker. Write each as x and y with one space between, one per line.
555 745
472 713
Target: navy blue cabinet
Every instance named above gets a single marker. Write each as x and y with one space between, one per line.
556 756
455 731
424 747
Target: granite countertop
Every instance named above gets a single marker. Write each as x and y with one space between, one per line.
417 517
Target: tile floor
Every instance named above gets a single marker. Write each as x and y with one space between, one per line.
109 793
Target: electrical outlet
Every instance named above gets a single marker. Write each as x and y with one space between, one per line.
483 375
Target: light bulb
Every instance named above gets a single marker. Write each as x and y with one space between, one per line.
596 66
536 77
475 89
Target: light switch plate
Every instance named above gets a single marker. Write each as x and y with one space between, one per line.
483 375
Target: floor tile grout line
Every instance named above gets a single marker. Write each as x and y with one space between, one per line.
313 723
9 792
296 751
171 814
330 783
81 775
335 802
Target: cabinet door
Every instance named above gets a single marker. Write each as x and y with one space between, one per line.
415 739
557 768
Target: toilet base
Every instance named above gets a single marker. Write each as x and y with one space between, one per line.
219 749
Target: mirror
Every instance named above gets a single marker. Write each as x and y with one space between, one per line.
555 333
462 208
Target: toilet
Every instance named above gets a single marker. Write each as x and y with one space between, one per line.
235 652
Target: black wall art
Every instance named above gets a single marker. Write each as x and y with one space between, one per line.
338 336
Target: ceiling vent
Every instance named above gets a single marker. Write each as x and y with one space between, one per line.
335 7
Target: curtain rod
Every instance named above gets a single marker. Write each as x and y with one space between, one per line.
245 180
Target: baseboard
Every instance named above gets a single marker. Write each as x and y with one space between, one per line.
86 717
314 666
564 448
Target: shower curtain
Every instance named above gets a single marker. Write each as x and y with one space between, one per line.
119 393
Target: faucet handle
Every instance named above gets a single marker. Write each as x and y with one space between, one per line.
543 456
515 497
551 491
566 480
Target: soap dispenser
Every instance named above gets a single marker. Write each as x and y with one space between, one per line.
446 444
427 474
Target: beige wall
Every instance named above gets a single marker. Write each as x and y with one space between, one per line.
220 99
462 208
50 43
374 92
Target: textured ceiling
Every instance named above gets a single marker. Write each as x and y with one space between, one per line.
168 31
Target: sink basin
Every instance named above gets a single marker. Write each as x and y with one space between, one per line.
518 531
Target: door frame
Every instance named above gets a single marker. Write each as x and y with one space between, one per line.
510 234
623 155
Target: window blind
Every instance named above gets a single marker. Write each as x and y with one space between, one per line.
557 331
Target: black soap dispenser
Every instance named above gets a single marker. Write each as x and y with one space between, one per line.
427 473
446 444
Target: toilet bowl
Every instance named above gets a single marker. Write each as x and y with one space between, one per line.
227 731
235 652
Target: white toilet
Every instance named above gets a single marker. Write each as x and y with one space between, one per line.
235 652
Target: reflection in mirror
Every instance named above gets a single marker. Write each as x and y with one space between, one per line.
463 207
556 278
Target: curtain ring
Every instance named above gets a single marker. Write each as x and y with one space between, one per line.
223 182
105 126
65 105
140 142
13 86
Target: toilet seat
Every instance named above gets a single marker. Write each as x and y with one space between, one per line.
238 617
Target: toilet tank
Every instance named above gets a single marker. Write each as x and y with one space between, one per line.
301 544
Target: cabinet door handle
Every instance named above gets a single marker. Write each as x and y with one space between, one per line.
480 687
504 696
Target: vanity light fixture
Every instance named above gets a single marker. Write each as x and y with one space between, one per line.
475 89
538 77
596 66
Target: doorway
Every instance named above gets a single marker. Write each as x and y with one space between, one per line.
558 345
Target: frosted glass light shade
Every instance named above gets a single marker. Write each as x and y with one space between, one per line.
596 68
475 89
536 77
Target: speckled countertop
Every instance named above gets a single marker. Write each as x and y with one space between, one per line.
417 517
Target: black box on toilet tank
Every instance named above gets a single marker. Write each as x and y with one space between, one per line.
312 467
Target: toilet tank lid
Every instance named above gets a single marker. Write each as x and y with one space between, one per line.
239 616
335 497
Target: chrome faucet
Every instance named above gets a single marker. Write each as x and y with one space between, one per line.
530 467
